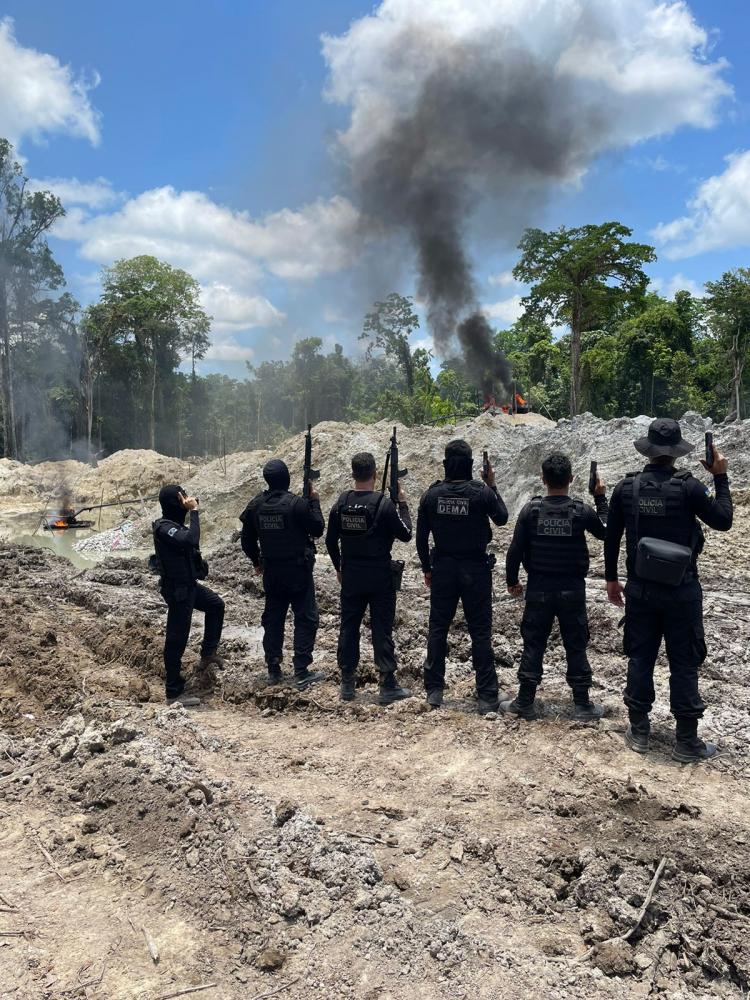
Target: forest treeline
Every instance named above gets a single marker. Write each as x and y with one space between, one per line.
122 373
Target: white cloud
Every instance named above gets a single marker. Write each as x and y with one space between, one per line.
503 279
506 310
215 243
639 68
39 96
718 214
228 350
677 283
94 194
231 310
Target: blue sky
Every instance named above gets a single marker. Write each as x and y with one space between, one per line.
201 133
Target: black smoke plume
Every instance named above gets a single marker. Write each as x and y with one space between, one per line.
491 126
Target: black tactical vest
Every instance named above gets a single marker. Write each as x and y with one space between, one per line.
664 513
175 565
556 539
359 517
458 519
281 536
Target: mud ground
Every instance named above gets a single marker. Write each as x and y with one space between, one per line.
276 843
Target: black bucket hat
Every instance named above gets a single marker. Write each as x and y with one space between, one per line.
664 438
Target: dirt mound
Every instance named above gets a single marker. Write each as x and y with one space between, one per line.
516 450
121 476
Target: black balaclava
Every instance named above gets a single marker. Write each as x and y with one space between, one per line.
276 474
458 463
171 508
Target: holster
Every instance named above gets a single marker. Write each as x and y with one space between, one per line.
397 573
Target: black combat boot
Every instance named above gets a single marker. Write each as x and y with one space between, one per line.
347 687
585 710
636 735
435 698
523 704
390 690
275 675
689 748
209 660
304 678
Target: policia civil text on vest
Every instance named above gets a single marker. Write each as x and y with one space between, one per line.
658 510
362 527
278 529
456 512
550 540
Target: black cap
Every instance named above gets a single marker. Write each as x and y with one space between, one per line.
664 438
276 474
171 506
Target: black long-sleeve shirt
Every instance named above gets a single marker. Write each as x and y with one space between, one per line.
307 513
494 508
594 522
394 523
176 536
717 512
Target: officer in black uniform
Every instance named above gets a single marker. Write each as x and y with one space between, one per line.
657 509
550 540
456 512
362 527
277 536
180 566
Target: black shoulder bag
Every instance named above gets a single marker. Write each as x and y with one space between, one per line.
656 560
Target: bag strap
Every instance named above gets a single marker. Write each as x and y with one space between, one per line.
636 504
378 513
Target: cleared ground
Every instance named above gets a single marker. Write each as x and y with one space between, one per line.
276 842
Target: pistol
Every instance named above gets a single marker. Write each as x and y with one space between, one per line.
709 449
593 477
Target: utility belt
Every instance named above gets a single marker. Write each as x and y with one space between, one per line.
488 558
393 566
643 590
553 596
306 560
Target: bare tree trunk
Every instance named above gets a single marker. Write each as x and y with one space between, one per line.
153 404
6 377
575 358
738 365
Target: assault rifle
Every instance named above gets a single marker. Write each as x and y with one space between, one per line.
310 474
485 465
391 471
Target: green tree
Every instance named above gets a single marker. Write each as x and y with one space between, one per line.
578 277
156 308
388 328
727 306
26 268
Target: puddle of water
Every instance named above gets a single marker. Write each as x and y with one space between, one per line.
23 529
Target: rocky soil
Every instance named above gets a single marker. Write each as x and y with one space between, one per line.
277 843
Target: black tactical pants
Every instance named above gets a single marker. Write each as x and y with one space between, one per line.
542 608
366 586
289 585
468 581
675 615
181 601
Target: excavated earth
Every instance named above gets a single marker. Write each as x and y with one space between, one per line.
271 843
